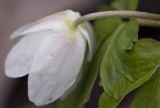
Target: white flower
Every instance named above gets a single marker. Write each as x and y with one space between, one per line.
51 51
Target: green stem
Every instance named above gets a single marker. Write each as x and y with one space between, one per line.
144 18
147 22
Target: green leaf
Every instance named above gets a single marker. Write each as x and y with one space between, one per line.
148 94
106 101
104 27
116 69
146 57
142 61
125 4
120 72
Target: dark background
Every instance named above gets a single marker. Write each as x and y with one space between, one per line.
15 13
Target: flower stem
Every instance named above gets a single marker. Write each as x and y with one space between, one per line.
147 22
144 18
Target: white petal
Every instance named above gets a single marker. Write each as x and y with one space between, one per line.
55 22
55 68
88 33
19 59
31 28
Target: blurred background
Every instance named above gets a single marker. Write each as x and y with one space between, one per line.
15 13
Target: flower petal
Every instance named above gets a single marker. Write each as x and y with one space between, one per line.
19 59
55 68
37 27
88 34
55 22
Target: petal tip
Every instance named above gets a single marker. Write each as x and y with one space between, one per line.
10 74
39 101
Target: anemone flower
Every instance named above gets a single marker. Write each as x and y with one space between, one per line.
51 51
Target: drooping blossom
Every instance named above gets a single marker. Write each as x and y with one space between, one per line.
51 51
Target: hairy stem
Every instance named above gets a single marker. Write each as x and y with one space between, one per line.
144 18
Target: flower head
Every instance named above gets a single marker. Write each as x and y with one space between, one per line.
51 51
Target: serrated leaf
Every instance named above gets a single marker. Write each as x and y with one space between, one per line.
125 4
146 56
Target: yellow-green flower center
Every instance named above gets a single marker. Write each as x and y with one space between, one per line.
70 25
